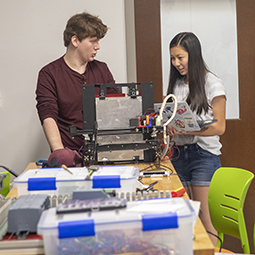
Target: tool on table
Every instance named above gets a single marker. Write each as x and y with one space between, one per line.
66 168
143 187
41 161
178 192
91 169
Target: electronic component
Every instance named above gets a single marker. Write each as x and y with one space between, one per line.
25 213
143 121
112 132
154 173
5 205
87 205
89 194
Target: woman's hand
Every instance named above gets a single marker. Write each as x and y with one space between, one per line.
172 131
217 128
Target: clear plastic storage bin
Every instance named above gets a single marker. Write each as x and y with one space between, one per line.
57 181
156 226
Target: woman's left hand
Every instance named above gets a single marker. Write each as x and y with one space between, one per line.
172 131
217 128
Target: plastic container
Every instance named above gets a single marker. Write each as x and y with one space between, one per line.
157 226
57 181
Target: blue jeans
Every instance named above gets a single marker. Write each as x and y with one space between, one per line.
194 165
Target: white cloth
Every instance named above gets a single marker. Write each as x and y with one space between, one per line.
213 87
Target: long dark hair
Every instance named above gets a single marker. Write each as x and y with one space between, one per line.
196 71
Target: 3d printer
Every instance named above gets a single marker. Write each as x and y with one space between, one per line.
120 128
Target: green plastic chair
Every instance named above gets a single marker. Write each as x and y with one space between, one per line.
226 198
5 178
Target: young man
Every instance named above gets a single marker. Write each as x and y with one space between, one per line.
59 86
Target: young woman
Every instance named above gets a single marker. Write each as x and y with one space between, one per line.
197 153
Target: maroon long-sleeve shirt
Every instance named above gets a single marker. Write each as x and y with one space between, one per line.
59 95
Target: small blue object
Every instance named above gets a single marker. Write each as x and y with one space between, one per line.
106 181
40 161
48 183
159 221
76 228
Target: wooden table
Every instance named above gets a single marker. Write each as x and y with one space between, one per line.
202 244
13 192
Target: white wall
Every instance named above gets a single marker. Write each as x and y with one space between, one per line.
31 36
214 22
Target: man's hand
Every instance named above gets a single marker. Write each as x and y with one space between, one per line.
70 158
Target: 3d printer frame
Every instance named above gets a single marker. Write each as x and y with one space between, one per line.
147 146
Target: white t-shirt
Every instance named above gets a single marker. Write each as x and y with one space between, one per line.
213 88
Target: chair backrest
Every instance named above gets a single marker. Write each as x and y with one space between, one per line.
226 198
5 178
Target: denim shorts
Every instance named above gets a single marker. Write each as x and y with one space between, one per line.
194 165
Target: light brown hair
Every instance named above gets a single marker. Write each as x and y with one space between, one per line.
84 25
